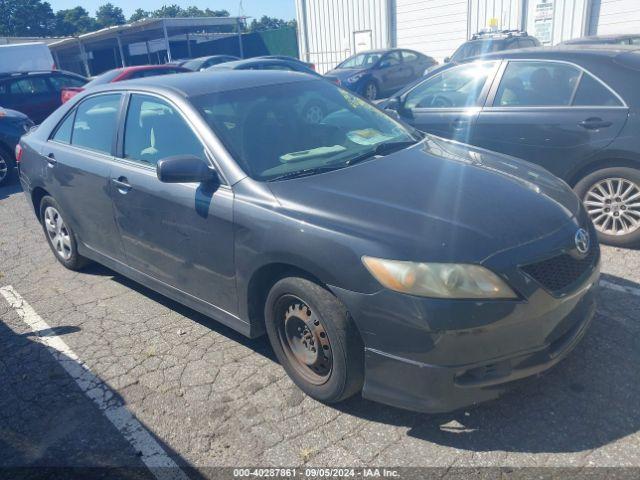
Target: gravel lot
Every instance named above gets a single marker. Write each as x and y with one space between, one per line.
210 397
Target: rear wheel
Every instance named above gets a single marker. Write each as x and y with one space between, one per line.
314 339
60 236
6 167
370 90
611 196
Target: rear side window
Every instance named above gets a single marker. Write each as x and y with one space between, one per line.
592 93
63 133
95 123
155 130
409 56
62 81
537 84
29 86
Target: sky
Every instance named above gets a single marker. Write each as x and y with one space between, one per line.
284 9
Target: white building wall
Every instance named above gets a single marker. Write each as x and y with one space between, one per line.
434 27
615 16
327 28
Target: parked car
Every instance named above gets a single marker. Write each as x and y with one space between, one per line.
483 43
26 57
571 110
291 59
425 273
36 94
12 126
380 72
121 74
202 63
626 39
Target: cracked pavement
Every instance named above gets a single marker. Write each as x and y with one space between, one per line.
211 397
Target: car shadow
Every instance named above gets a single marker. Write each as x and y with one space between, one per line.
587 401
11 188
49 428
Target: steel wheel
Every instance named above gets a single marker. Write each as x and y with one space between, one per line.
58 233
304 340
4 169
614 206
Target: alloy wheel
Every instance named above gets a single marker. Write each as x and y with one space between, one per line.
4 169
304 339
614 206
58 233
371 91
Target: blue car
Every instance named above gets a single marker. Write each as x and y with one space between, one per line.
12 126
377 73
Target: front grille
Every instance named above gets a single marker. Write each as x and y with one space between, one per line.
558 273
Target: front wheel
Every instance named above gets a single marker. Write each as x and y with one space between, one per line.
611 196
314 339
370 90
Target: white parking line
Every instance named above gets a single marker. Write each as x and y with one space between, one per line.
620 288
151 453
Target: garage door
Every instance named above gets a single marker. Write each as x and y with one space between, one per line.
434 27
617 16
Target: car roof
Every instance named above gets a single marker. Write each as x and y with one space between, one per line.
585 51
209 81
5 75
590 38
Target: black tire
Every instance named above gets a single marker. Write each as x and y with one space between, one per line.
75 261
584 186
346 375
7 166
370 90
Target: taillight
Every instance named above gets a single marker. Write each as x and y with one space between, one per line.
19 152
68 93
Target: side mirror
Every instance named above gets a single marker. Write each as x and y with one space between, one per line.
392 104
447 59
185 169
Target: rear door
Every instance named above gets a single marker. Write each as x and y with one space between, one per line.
447 104
178 233
551 113
78 159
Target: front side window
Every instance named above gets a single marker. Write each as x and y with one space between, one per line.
457 87
267 130
537 83
155 130
95 123
390 59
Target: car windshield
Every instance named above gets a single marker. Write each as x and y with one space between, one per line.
299 128
362 60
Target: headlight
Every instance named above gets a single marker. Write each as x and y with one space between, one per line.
355 78
438 280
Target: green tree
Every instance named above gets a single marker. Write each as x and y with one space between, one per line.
26 18
270 23
109 15
169 11
74 21
139 14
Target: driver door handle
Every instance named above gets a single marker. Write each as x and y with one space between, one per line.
459 123
51 160
121 183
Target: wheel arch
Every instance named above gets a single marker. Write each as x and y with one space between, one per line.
37 195
601 164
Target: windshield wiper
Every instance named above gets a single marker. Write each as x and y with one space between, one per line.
304 173
381 149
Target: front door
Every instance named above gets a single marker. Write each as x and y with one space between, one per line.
447 104
180 234
550 113
79 157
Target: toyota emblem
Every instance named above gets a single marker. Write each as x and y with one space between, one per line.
583 242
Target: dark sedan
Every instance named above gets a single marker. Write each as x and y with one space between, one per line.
377 73
572 110
620 39
12 126
376 259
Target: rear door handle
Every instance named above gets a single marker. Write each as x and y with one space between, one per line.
51 160
121 183
594 123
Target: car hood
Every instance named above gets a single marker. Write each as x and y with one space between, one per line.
438 200
344 73
12 114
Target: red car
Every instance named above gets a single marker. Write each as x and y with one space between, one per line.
120 74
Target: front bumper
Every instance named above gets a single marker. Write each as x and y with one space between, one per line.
414 361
